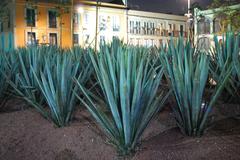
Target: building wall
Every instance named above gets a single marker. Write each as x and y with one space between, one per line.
41 29
205 27
153 29
6 27
85 29
113 21
108 17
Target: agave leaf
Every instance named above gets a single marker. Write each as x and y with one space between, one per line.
188 71
129 82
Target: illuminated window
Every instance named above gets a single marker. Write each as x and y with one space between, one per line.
86 18
148 28
31 17
75 39
76 18
145 28
31 38
52 19
138 28
53 38
131 27
116 23
153 28
102 23
161 29
169 29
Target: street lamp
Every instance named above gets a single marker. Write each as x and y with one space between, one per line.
189 19
189 14
80 10
96 32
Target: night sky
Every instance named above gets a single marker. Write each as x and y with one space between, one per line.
165 6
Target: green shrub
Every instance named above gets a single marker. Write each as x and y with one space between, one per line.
3 79
188 72
129 84
8 69
237 61
45 78
223 56
24 83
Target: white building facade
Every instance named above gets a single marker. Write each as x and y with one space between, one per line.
206 25
154 29
131 26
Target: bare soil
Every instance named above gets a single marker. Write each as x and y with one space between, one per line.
25 135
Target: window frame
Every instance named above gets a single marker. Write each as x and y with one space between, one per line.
35 38
116 23
48 19
76 16
35 16
1 27
181 30
49 36
76 34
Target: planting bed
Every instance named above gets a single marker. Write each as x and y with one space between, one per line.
25 135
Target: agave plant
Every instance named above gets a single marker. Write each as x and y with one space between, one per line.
44 78
237 61
3 70
56 85
188 72
223 56
129 84
8 69
24 84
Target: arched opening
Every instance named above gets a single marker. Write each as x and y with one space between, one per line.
216 25
203 26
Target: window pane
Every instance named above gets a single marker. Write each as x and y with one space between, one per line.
102 23
181 30
1 26
53 38
203 26
30 17
31 38
52 17
116 23
216 25
132 27
75 39
76 18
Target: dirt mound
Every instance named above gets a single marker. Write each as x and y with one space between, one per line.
25 135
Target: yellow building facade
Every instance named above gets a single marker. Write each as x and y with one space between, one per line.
48 23
40 28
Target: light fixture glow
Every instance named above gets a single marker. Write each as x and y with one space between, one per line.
80 10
